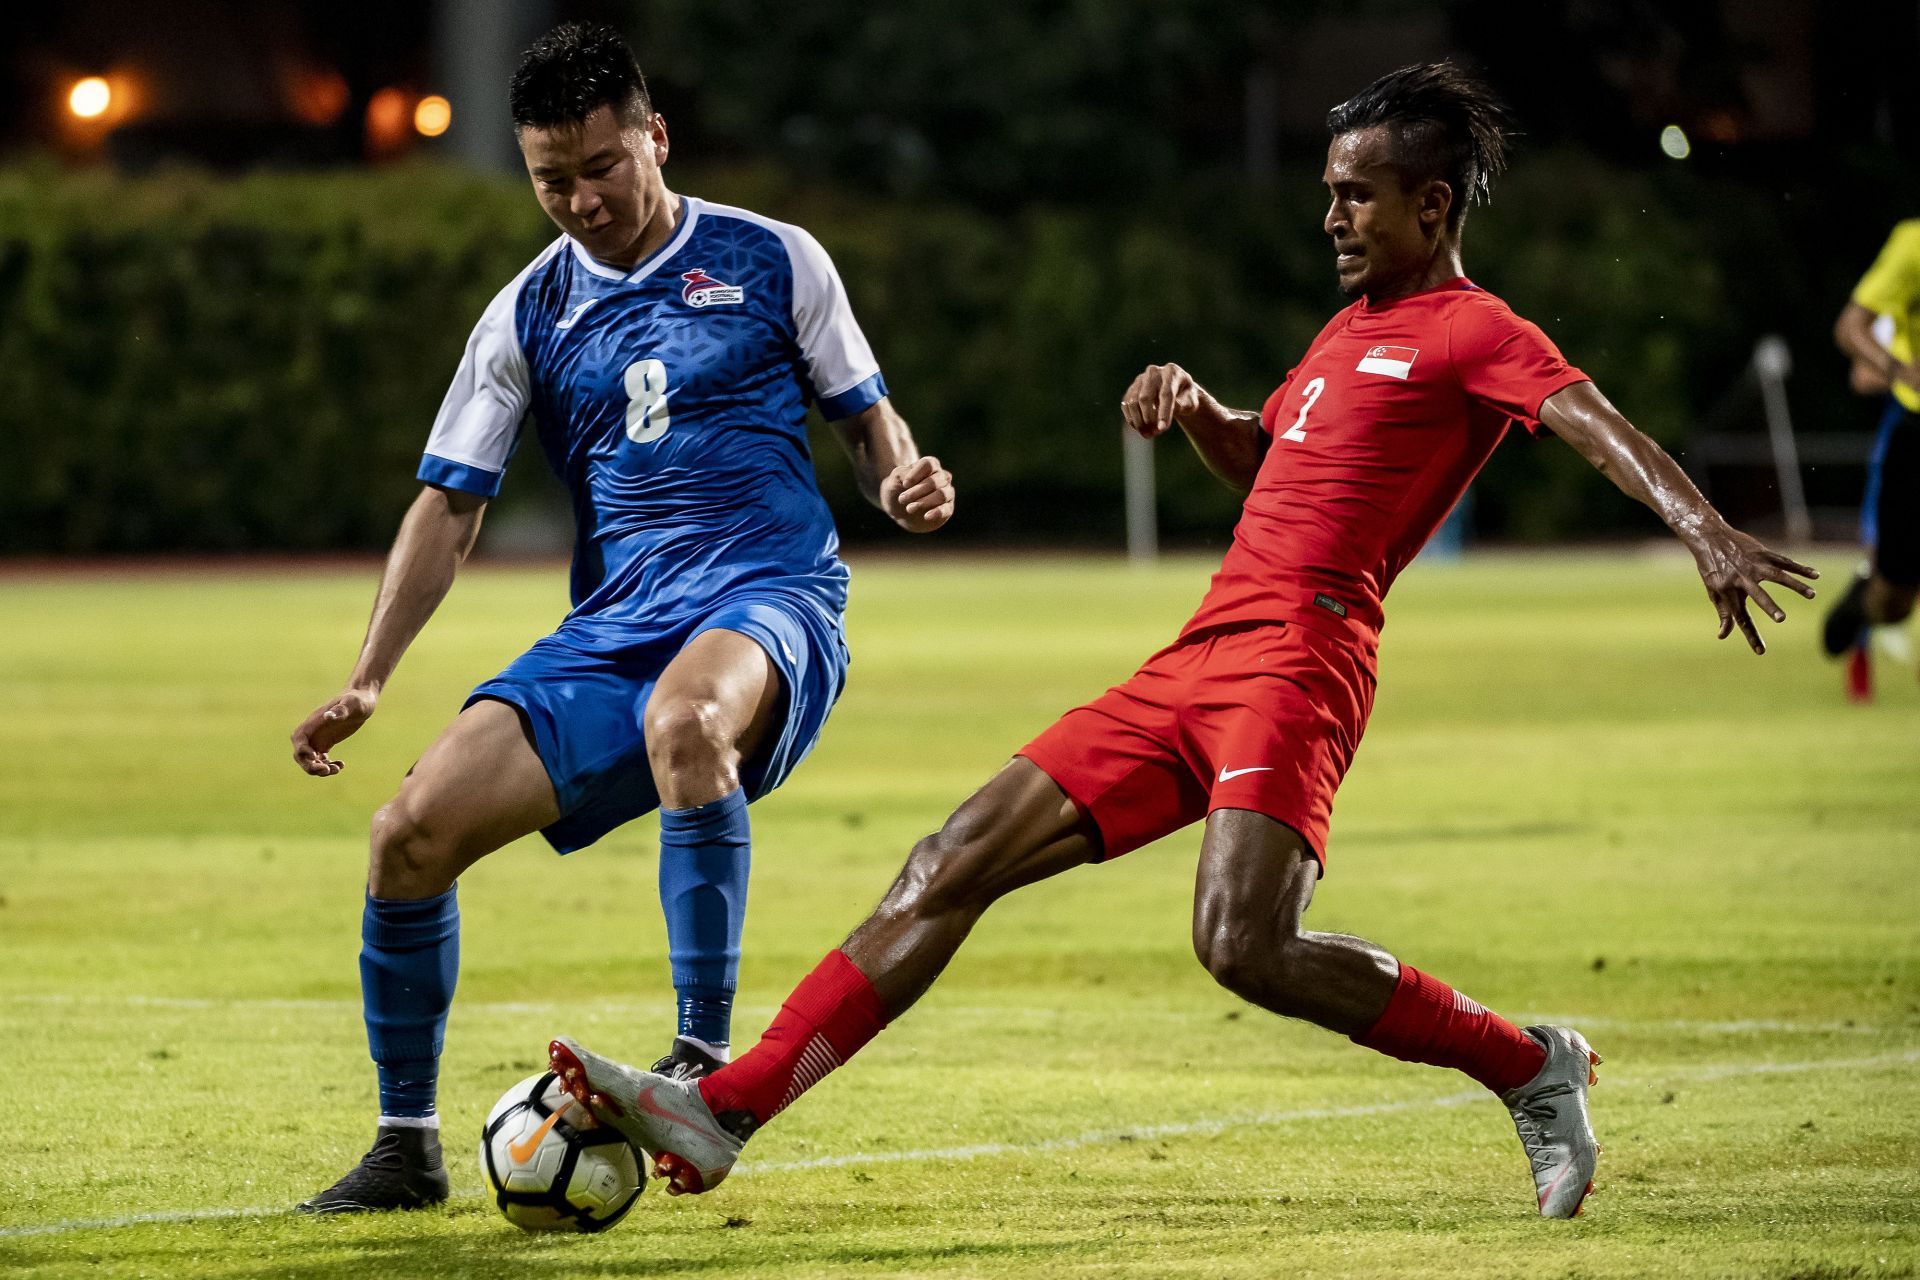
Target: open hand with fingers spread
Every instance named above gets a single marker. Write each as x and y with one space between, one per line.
918 495
1733 565
332 722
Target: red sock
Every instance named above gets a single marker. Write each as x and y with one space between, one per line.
1428 1021
829 1017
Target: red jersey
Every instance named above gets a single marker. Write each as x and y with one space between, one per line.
1376 434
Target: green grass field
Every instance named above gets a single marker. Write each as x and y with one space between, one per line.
1572 803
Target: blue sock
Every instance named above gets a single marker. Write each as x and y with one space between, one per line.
704 857
409 959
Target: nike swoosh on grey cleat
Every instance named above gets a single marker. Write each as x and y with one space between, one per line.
1550 1115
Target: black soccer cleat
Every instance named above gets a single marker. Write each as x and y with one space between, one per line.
1847 620
687 1061
403 1170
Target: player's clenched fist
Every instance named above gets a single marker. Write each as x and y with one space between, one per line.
918 495
1159 396
335 720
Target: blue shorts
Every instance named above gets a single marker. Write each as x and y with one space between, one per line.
584 692
1889 516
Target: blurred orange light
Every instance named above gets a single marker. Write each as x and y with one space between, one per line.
90 98
1720 126
387 112
432 114
317 96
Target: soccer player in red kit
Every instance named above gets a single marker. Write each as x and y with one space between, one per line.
1251 716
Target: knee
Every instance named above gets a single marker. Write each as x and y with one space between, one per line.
1247 957
687 733
1227 952
943 874
411 855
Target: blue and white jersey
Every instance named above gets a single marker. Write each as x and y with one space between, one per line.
671 399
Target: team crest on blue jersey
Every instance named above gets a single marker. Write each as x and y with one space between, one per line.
704 291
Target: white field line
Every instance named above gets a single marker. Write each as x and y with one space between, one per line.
1708 1026
136 1220
1740 1026
1098 1137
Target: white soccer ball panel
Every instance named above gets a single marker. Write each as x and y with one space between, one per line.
535 1170
528 1149
519 1093
604 1178
515 1126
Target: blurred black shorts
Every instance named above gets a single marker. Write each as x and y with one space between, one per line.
1890 515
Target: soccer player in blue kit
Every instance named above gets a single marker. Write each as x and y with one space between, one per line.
667 349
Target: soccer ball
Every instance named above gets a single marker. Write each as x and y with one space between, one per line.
551 1166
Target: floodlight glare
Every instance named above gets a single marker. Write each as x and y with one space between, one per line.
1673 141
90 98
431 115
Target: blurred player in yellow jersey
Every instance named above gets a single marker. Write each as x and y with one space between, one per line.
1890 513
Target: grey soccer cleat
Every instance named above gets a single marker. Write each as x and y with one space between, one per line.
693 1150
1550 1113
403 1170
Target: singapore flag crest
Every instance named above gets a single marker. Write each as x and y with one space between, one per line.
1394 362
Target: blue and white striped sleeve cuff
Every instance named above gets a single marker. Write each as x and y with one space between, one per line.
856 398
445 473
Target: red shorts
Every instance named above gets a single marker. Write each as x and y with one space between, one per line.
1264 716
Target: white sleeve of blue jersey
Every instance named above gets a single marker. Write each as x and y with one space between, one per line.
846 378
474 434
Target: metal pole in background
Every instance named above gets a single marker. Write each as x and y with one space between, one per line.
476 45
1772 362
1143 526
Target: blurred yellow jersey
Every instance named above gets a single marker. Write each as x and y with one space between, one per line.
1892 288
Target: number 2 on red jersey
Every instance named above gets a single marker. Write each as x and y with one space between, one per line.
1298 431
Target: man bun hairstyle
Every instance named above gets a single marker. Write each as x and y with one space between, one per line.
1443 123
573 71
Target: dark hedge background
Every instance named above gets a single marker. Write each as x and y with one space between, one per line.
212 364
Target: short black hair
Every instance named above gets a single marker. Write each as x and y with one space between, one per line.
573 71
1443 122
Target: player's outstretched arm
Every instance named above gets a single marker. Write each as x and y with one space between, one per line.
915 491
435 537
1229 441
1732 564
